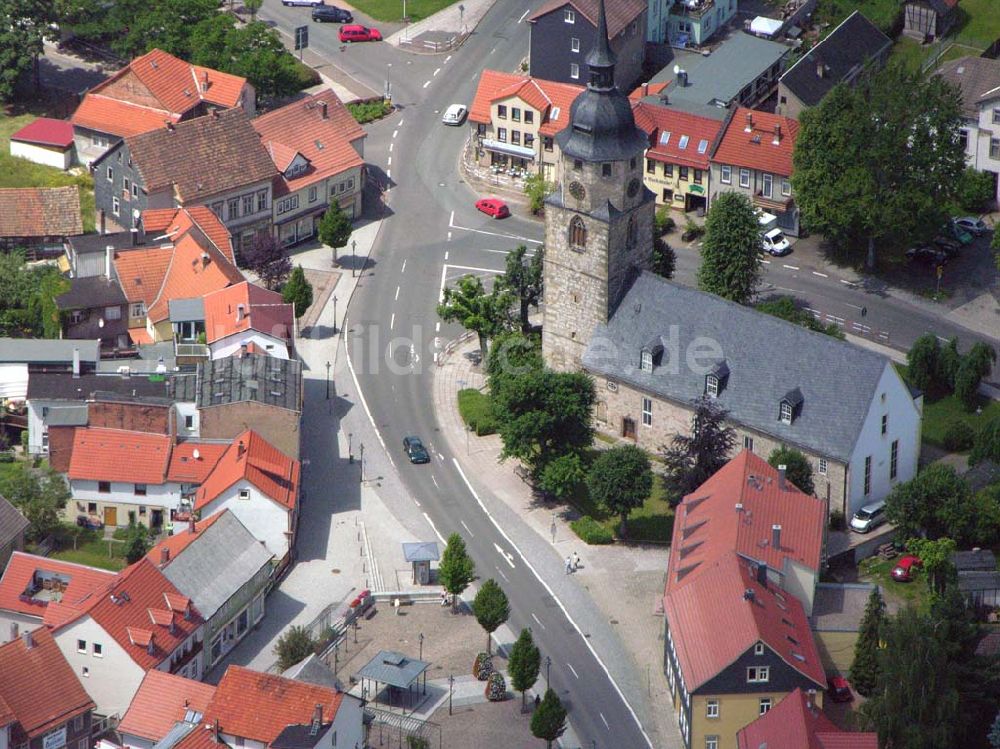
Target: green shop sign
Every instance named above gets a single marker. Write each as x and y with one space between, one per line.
696 189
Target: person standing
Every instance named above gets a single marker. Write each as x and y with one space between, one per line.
569 565
576 561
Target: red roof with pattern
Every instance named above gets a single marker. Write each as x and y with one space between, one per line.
263 310
161 701
101 454
797 722
19 577
184 468
196 269
253 458
670 129
106 115
552 100
749 141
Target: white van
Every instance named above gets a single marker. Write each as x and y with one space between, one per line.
868 517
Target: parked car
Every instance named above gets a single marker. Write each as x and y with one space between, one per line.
952 229
90 522
775 243
839 689
306 3
415 450
950 246
903 571
331 13
455 114
868 517
926 253
357 33
493 207
975 226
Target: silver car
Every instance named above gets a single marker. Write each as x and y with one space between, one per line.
455 114
975 226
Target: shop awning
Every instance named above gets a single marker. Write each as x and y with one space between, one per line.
496 145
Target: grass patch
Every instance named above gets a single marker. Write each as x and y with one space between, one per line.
369 111
653 522
886 14
392 10
477 411
89 548
909 52
939 415
978 23
879 571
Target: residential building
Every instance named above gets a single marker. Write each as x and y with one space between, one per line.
798 721
774 525
691 23
44 141
260 485
515 119
251 391
225 571
161 702
39 219
216 161
139 623
13 526
735 646
318 150
95 307
152 89
562 33
37 591
42 703
20 357
753 156
978 80
855 50
927 20
677 169
245 314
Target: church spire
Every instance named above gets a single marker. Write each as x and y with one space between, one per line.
601 60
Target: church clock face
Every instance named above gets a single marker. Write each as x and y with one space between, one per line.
633 187
577 190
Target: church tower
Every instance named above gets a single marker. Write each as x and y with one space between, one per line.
599 221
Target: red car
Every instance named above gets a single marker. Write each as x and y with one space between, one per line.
840 689
353 32
493 207
903 571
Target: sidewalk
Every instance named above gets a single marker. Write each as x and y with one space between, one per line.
454 22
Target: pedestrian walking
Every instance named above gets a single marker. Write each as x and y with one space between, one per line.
576 561
444 598
538 701
569 565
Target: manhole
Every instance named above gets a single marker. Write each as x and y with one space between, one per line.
614 621
335 571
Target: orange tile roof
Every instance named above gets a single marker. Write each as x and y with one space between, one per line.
797 722
552 100
195 270
253 458
263 310
141 272
140 336
20 573
713 623
756 149
667 127
176 221
40 212
122 610
161 701
39 687
300 127
259 706
102 454
202 737
647 89
186 469
121 118
708 526
180 540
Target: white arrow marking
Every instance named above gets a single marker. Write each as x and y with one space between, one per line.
509 558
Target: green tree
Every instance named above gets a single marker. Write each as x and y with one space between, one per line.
469 304
923 362
939 502
664 258
995 246
165 24
621 480
948 363
975 190
730 252
797 468
524 664
987 442
491 609
335 227
690 460
295 644
298 291
24 24
523 279
253 6
137 545
537 189
210 42
786 308
39 495
456 570
974 366
512 354
268 259
876 164
561 475
865 666
548 722
935 557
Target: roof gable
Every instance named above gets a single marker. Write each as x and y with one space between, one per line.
162 700
246 306
668 129
978 79
796 722
256 460
758 140
196 269
173 222
553 100
141 272
620 13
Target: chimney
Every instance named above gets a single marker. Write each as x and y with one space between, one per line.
240 312
749 125
244 349
104 229
215 729
776 536
191 524
76 362
762 574
748 595
109 254
170 126
164 555
205 259
317 720
322 109
29 641
151 647
645 89
739 507
682 78
781 477
241 448
13 631
204 82
777 134
810 699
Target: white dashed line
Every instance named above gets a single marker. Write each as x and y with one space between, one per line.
446 256
573 670
537 620
416 502
427 84
403 269
766 262
389 162
446 59
523 15
604 721
401 123
506 579
435 72
388 173
397 295
392 320
449 238
471 534
390 147
821 275
440 456
435 481
846 282
790 267
395 132
437 327
440 537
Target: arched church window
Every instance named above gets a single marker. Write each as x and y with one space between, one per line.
632 233
577 234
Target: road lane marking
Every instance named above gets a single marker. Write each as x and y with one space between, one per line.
436 72
446 59
427 84
437 327
790 267
444 280
523 15
446 254
401 122
537 620
397 295
572 669
403 269
436 533
395 132
435 481
390 147
388 173
765 262
389 162
364 402
559 603
444 275
392 320
449 239
821 275
451 221
440 456
845 281
506 579
471 534
416 502
504 252
506 557
453 225
605 721
854 306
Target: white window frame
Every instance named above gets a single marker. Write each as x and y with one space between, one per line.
744 177
748 445
868 476
726 174
894 460
824 467
786 187
135 190
646 361
785 412
116 205
758 648
712 709
247 204
233 208
767 185
111 174
262 200
712 386
81 646
758 674
97 649
996 115
574 44
711 742
137 309
244 494
647 412
574 71
312 194
764 706
569 16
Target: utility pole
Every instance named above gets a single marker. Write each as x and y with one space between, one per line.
362 462
548 667
451 683
328 380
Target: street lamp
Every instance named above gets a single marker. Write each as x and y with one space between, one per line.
350 446
328 380
548 666
388 81
362 462
421 646
335 314
354 245
451 683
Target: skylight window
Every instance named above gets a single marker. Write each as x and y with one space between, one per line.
683 143
702 145
664 138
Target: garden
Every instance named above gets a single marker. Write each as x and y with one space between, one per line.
392 11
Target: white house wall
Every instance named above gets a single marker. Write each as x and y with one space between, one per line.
347 724
225 347
167 496
47 156
263 517
183 411
24 623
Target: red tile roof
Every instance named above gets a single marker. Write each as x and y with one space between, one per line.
39 686
256 460
185 468
323 138
669 128
196 269
40 212
140 336
797 722
202 737
122 610
713 623
162 700
620 13
141 272
756 149
46 131
553 100
20 572
647 89
121 118
708 526
101 454
263 310
176 221
259 706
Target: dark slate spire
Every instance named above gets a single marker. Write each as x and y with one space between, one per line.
601 125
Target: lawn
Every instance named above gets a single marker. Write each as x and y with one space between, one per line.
653 522
883 13
879 571
15 172
978 23
392 10
90 549
940 414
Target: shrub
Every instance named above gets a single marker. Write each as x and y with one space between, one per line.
591 532
837 521
368 111
692 231
482 667
477 411
959 436
663 221
986 445
24 441
294 644
496 687
7 457
306 77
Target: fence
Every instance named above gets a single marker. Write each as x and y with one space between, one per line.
389 729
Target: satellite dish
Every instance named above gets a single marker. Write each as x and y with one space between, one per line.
677 69
196 454
100 323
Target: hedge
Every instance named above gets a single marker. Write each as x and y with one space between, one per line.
477 411
369 111
591 532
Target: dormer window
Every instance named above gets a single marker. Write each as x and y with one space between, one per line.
716 378
295 169
712 386
646 361
651 355
790 406
786 413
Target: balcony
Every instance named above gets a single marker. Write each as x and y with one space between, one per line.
190 350
692 8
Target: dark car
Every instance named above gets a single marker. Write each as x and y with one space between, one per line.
415 450
840 689
90 522
926 253
950 246
331 14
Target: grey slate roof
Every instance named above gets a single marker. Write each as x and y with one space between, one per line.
981 560
312 670
300 736
63 386
394 668
67 416
971 582
978 78
847 48
422 551
12 522
250 377
185 310
767 357
87 243
91 292
46 351
214 566
183 387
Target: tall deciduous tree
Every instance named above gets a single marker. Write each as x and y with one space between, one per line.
690 459
974 366
39 495
730 251
456 570
261 58
621 479
298 291
548 722
165 24
491 609
24 24
935 557
523 278
923 361
939 502
335 227
485 313
797 468
876 163
865 666
524 664
268 259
